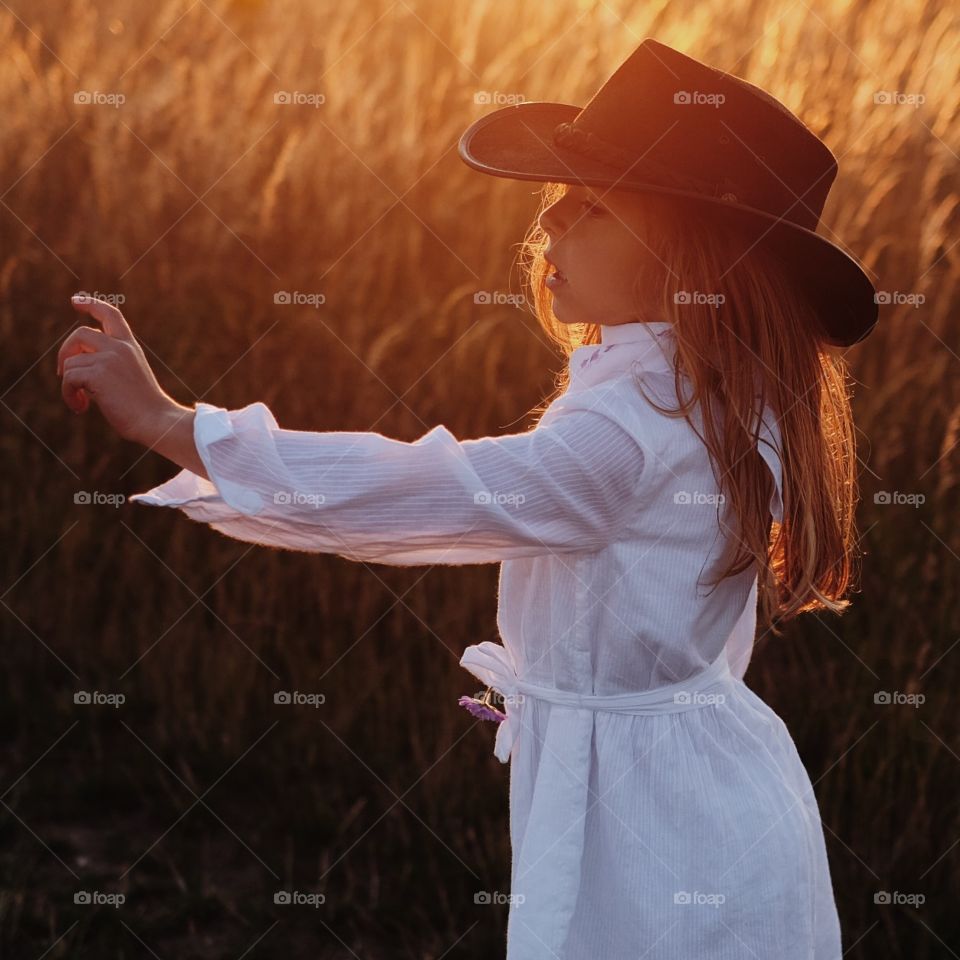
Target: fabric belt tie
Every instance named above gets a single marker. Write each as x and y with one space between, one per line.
491 663
546 869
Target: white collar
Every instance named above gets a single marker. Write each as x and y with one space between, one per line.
623 347
638 331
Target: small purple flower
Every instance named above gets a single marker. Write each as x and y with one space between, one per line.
481 707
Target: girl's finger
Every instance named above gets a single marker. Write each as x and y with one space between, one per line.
113 321
75 386
83 339
79 360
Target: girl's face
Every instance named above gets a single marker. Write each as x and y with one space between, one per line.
595 244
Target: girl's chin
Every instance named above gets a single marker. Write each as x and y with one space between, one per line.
566 316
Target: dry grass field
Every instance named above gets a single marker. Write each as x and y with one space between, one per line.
202 162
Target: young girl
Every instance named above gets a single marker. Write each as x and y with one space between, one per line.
696 460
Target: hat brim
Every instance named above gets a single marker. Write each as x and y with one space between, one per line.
516 142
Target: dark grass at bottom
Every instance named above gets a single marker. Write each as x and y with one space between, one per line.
200 881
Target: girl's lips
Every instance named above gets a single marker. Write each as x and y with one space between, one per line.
556 280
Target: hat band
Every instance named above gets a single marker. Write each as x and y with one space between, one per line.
587 143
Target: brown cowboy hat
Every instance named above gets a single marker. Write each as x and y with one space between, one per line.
667 123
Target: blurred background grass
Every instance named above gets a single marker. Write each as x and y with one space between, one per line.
198 199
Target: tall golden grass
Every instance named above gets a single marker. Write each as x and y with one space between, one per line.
199 199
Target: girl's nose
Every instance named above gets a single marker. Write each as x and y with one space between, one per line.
550 222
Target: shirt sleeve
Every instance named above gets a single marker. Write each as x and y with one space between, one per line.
567 486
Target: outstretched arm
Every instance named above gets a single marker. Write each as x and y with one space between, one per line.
571 485
568 486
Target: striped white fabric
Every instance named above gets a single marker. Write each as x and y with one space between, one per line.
659 832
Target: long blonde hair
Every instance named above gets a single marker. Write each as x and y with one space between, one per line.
759 335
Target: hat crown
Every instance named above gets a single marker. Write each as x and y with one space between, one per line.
673 120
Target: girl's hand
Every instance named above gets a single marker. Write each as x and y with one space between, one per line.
109 365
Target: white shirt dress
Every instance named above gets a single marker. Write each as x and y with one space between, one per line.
658 807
